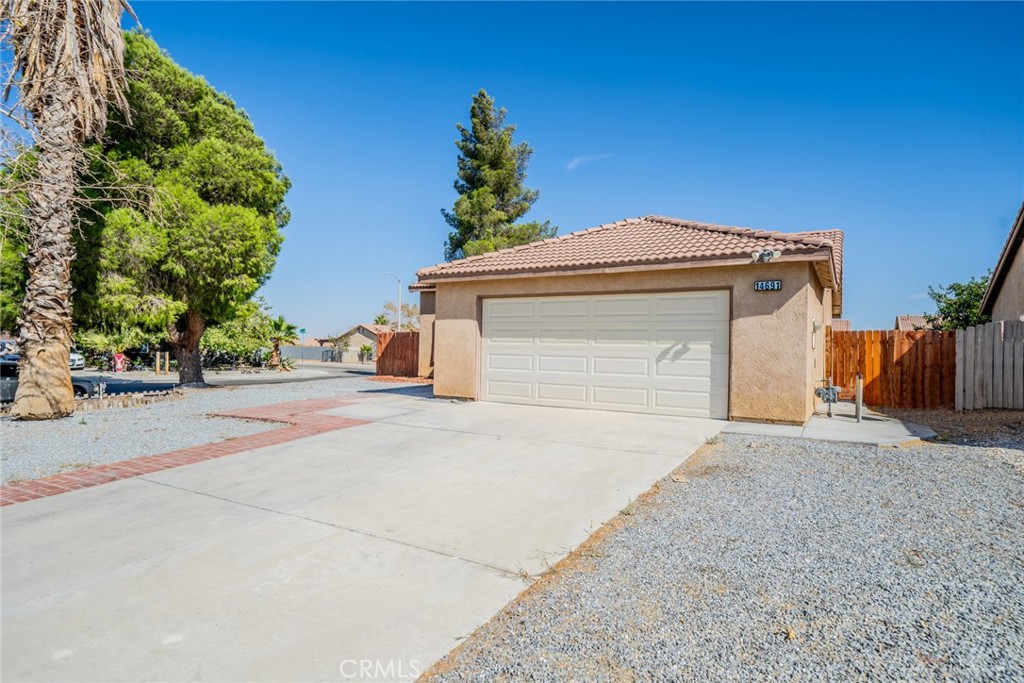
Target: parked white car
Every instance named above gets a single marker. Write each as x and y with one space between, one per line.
76 361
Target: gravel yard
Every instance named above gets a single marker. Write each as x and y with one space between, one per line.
781 559
30 450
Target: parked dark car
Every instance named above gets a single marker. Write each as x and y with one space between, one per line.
83 386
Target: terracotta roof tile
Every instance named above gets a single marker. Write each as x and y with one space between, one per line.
650 240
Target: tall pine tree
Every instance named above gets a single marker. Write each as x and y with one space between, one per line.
490 185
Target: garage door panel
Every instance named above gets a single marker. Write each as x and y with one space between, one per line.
509 308
501 334
716 333
690 306
572 364
633 336
663 353
623 307
509 389
615 396
513 362
574 336
628 367
564 308
694 402
574 393
683 367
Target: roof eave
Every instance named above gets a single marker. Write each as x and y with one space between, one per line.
1006 258
823 254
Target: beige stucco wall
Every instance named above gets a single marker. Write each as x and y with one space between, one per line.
819 311
1010 303
771 365
427 315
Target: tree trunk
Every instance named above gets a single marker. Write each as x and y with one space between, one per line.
185 335
275 355
44 386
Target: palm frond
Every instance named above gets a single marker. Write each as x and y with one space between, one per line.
77 43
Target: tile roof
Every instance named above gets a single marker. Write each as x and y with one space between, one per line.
650 240
909 323
839 325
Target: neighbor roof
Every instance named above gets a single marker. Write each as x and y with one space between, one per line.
909 323
649 241
375 329
1009 253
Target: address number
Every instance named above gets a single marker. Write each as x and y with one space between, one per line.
768 286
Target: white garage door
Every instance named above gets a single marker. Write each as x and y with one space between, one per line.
662 353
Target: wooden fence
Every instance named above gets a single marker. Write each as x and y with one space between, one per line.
398 354
913 370
990 366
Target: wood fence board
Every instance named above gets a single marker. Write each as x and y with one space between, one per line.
905 370
1009 334
958 402
970 376
1018 371
949 368
997 366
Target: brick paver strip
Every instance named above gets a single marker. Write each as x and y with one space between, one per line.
301 417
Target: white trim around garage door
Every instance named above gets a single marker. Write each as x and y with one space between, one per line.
658 352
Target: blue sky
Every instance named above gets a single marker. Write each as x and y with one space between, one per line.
902 124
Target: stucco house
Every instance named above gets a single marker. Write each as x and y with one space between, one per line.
1004 298
653 315
363 334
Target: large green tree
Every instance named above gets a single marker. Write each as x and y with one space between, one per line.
192 229
492 196
958 305
67 60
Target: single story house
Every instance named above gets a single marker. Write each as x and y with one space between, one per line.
653 315
364 334
1004 298
911 322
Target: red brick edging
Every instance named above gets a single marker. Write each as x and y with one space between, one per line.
301 417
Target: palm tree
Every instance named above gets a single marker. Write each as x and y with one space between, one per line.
68 66
382 319
281 332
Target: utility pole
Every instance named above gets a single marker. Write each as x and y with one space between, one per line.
399 328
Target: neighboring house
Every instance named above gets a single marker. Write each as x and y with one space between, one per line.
1004 298
840 325
909 323
362 335
653 315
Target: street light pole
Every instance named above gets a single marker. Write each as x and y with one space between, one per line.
399 328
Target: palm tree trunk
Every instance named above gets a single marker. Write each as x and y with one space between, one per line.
185 334
275 355
44 387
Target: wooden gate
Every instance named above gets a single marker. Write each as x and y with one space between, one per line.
913 370
990 366
398 354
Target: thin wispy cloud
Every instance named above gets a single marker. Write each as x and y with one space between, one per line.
579 161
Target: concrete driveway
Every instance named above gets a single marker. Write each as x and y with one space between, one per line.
365 553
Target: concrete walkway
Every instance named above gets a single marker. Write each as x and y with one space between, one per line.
874 428
382 543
